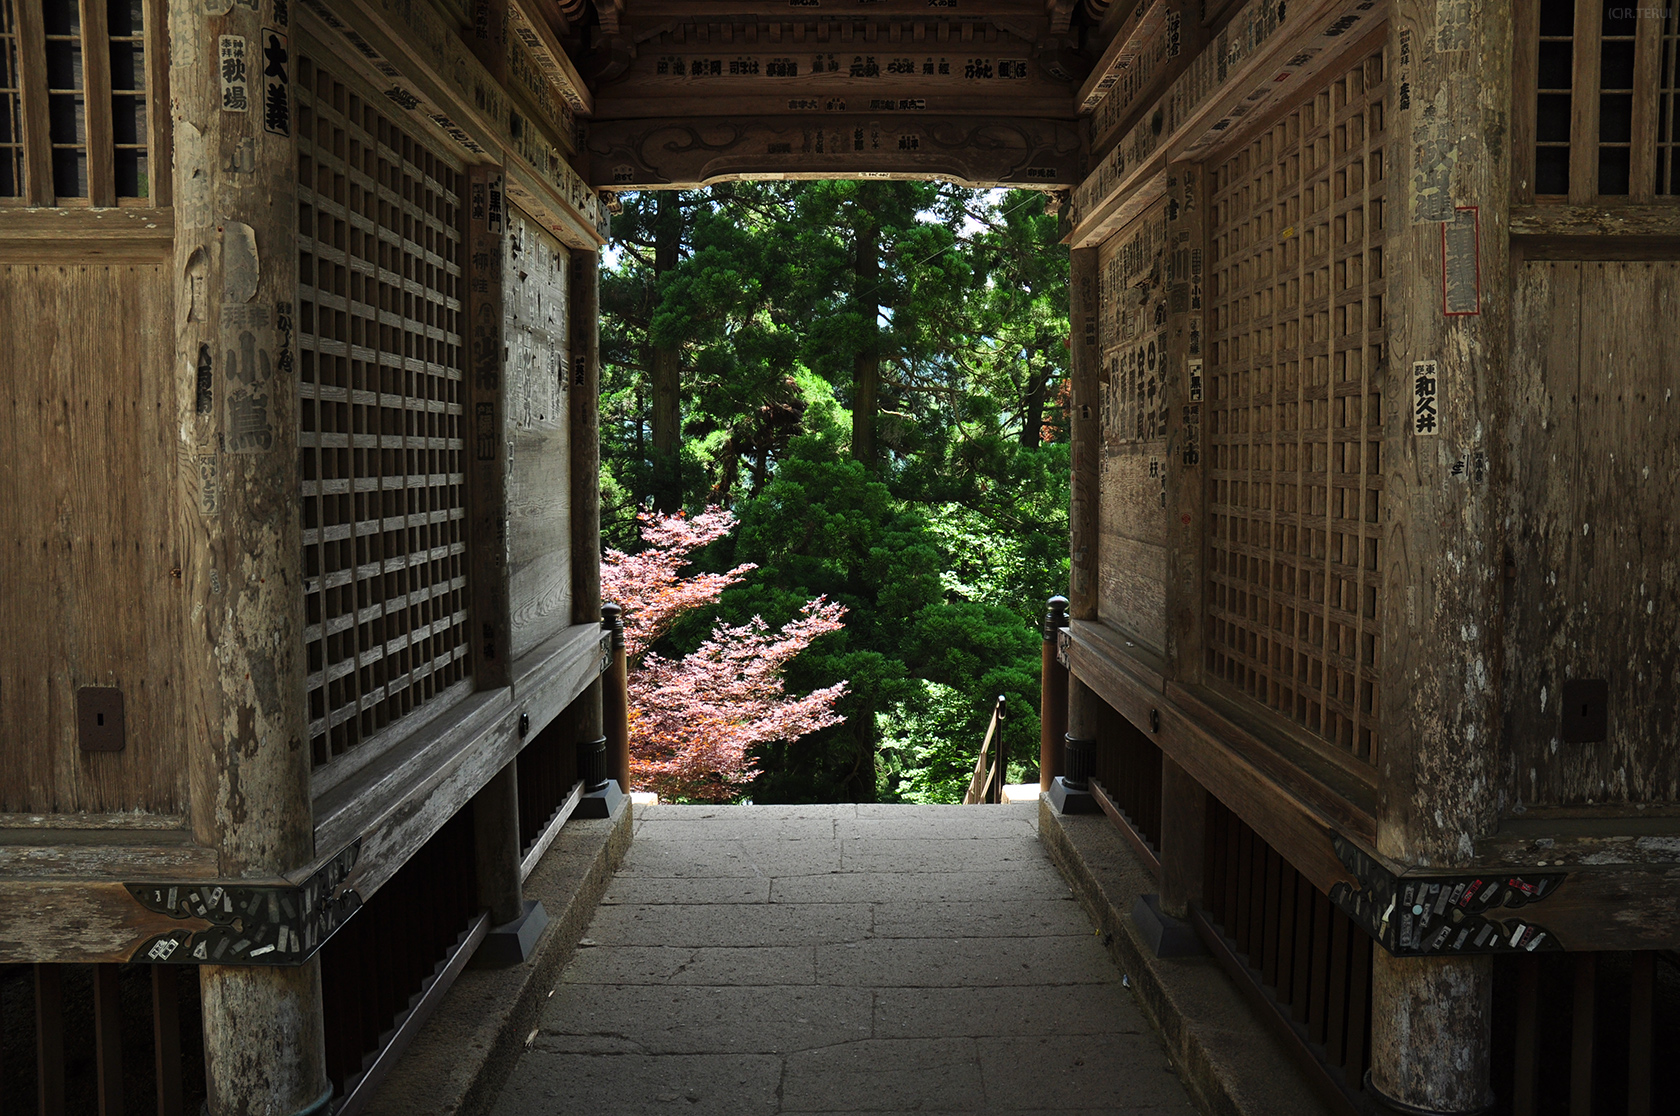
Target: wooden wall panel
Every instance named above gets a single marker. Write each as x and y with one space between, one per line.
1132 340
86 517
539 445
1594 590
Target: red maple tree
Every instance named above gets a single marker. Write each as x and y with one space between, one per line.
693 719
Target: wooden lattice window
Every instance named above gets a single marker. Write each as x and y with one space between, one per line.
380 358
1295 413
1604 97
74 102
11 106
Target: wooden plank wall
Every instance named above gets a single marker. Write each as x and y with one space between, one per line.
1594 552
537 335
1132 341
86 508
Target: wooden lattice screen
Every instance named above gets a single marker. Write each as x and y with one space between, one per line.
379 346
1606 81
1295 411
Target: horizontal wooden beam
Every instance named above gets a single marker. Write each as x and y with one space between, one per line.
1267 52
118 235
439 83
1642 221
974 151
530 28
646 12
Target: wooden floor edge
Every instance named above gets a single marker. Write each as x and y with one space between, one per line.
1258 1079
459 1063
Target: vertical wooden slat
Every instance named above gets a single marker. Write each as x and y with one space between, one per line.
1640 1005
1581 1040
96 100
1256 898
107 1039
1318 996
1233 872
1269 918
1525 83
1359 1005
160 129
1291 880
1583 105
1647 62
32 90
49 1039
1336 1019
1301 994
1238 924
1527 1058
166 1039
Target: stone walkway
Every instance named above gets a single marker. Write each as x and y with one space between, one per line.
839 958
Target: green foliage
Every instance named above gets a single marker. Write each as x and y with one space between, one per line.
945 555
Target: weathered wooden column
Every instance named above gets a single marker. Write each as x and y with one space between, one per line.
601 795
242 676
1448 242
1053 696
615 698
1068 791
1184 803
516 923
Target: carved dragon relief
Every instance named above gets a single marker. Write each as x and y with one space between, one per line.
969 150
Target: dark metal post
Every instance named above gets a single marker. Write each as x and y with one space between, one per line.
1070 792
615 698
1053 696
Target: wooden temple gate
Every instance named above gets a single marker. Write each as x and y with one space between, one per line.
304 643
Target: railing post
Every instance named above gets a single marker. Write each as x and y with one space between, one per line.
615 698
1002 753
1052 696
1070 792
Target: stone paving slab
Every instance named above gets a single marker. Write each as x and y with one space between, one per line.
866 958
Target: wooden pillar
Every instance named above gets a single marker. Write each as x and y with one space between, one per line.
600 794
1086 421
1424 1008
1184 806
1053 696
496 845
1186 471
487 402
1069 792
242 676
1446 223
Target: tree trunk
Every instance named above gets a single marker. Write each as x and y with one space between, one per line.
667 379
866 377
1032 422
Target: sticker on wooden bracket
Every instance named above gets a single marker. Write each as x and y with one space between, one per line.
250 924
1417 916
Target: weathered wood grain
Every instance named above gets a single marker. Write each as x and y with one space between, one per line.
105 236
86 501
1247 71
446 92
1595 551
1132 337
1084 534
32 86
82 921
537 367
689 151
488 216
1186 473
